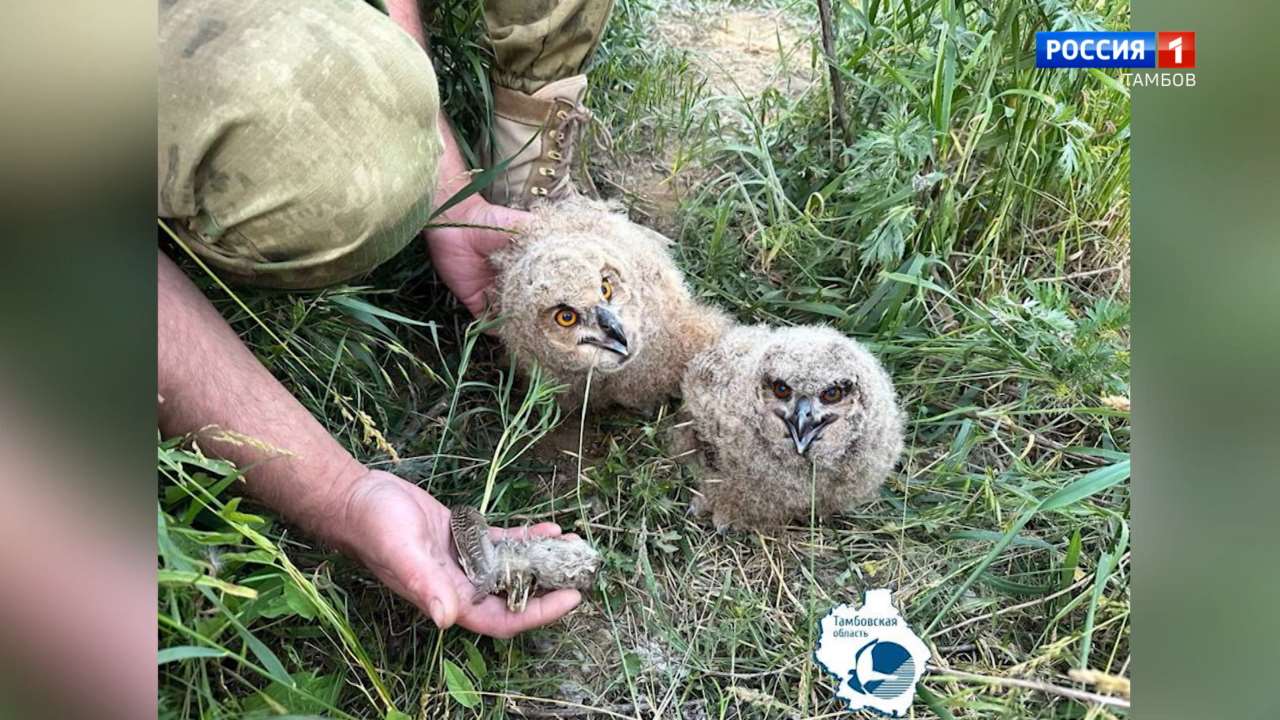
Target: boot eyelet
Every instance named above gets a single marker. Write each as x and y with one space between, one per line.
562 115
540 192
546 171
554 155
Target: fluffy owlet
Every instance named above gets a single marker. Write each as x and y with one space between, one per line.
772 412
583 289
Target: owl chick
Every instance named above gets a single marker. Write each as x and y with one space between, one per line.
770 412
584 289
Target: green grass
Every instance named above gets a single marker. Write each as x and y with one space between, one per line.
975 235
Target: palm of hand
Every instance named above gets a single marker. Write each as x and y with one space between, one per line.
402 534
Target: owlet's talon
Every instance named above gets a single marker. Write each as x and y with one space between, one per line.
513 566
721 524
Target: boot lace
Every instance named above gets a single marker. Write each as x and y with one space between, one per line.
566 131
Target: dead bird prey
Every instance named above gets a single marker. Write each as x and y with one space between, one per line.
583 289
771 412
516 567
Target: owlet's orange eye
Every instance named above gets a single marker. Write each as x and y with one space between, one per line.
833 394
566 317
606 290
781 390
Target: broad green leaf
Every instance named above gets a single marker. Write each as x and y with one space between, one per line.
631 663
475 661
460 687
274 667
298 601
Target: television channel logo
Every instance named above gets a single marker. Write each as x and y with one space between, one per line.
1086 49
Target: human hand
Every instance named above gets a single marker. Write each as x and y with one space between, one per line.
401 533
460 254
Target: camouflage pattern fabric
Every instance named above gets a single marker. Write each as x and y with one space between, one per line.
297 141
536 42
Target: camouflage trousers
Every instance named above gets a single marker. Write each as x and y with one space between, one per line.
298 142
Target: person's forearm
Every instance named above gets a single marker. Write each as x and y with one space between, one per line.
210 382
405 14
453 175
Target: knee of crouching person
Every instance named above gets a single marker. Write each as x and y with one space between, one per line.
313 167
364 189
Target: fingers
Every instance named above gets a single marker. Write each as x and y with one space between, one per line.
510 218
543 529
430 590
474 302
487 242
492 617
488 308
441 605
543 610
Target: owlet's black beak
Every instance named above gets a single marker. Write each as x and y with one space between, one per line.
614 339
804 425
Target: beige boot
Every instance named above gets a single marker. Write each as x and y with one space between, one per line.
554 119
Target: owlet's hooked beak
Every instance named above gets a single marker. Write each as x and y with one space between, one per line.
612 336
804 424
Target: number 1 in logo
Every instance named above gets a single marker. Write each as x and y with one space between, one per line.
1176 50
